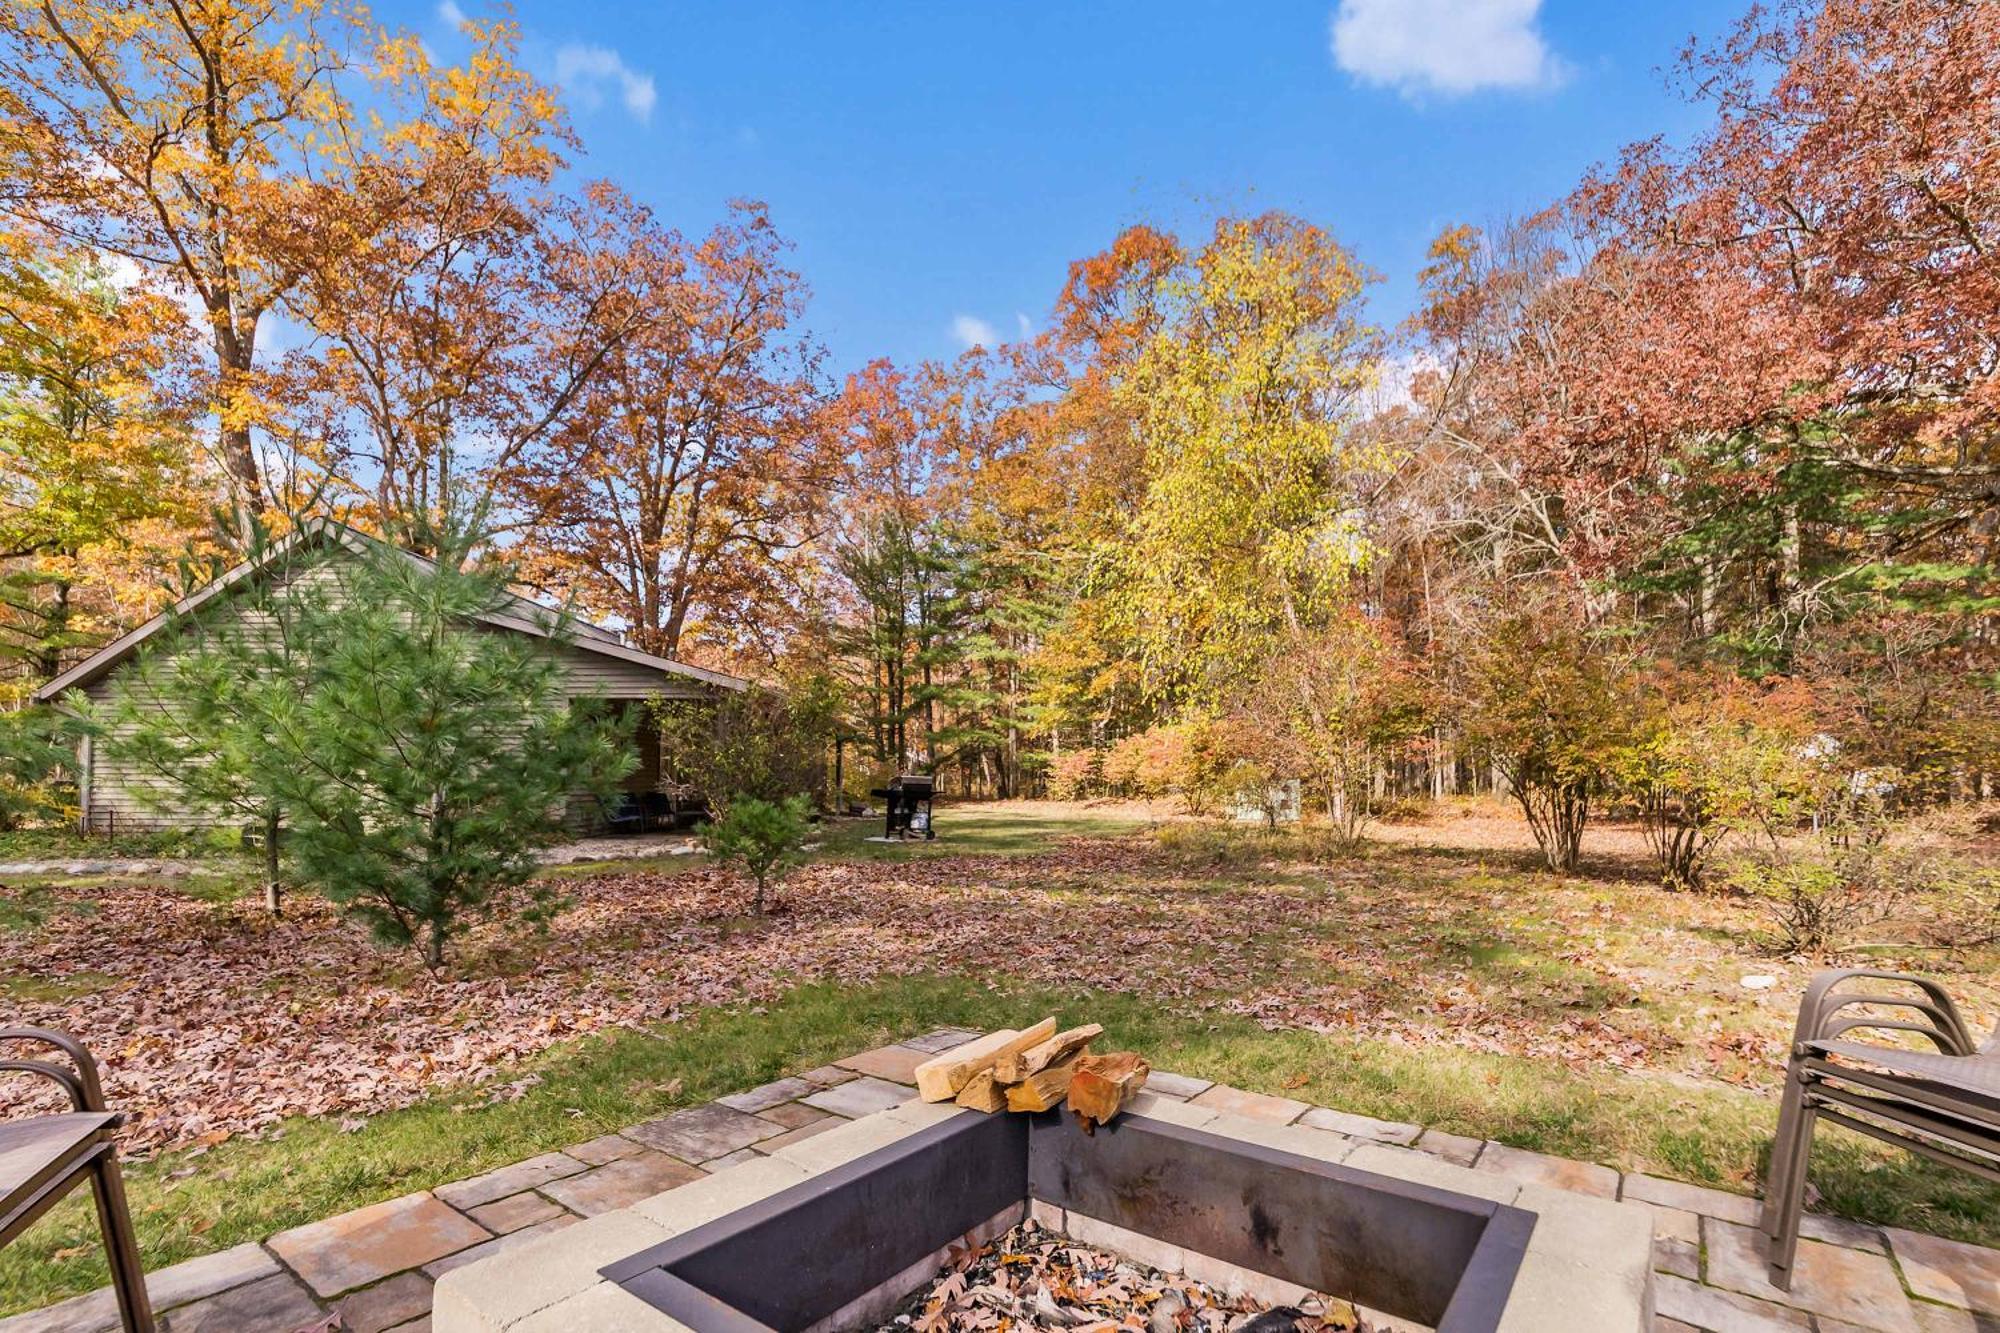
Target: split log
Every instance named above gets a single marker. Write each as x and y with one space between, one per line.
1103 1084
1043 1089
983 1093
943 1077
1013 1068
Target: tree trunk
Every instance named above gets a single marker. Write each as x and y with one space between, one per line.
273 882
236 354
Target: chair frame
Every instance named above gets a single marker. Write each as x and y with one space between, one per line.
1928 1118
98 1162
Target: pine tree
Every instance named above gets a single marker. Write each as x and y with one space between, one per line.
415 757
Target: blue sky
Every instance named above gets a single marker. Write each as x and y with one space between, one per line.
939 165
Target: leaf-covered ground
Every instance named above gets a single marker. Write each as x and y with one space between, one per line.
216 1021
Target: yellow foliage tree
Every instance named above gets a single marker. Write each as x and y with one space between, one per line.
1242 399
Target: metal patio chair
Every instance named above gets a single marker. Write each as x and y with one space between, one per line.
44 1157
1943 1104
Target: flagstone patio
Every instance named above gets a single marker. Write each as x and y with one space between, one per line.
374 1267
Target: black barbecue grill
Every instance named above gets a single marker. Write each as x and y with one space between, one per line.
908 797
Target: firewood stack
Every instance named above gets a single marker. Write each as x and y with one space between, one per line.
1034 1069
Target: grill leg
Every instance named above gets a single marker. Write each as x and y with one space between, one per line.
114 1222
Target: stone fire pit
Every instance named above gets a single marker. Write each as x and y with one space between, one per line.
834 1232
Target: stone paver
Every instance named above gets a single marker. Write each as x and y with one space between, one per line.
1944 1319
542 1272
369 1244
1725 1311
604 1308
1948 1271
793 1115
737 1158
514 1212
1171 1110
828 1075
1362 1126
1255 1105
1676 1224
839 1145
1458 1149
280 1302
604 1188
1852 1285
1679 1257
604 1148
193 1279
702 1132
1180 1087
498 1245
1737 1208
799 1135
386 1305
1536 1168
1842 1231
181 1284
765 1096
942 1040
864 1096
1409 1164
898 1064
524 1175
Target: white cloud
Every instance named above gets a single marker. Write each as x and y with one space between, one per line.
1445 46
974 331
450 14
1027 326
586 71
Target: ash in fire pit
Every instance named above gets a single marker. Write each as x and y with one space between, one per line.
1033 1278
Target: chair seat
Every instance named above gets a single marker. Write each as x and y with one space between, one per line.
32 1150
1978 1074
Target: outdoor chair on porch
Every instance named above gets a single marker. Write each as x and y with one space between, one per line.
44 1157
1943 1104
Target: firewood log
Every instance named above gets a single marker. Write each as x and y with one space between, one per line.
983 1093
943 1077
1017 1066
1042 1089
1103 1084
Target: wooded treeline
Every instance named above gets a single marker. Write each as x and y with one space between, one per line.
1718 424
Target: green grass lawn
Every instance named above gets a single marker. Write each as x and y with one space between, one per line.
963 830
187 1204
67 844
969 830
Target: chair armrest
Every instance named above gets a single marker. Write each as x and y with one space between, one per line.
1821 1018
84 1089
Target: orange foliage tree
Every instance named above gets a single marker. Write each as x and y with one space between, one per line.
691 472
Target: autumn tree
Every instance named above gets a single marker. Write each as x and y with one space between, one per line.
690 474
97 464
1248 523
1550 706
895 553
1712 757
1342 702
229 150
